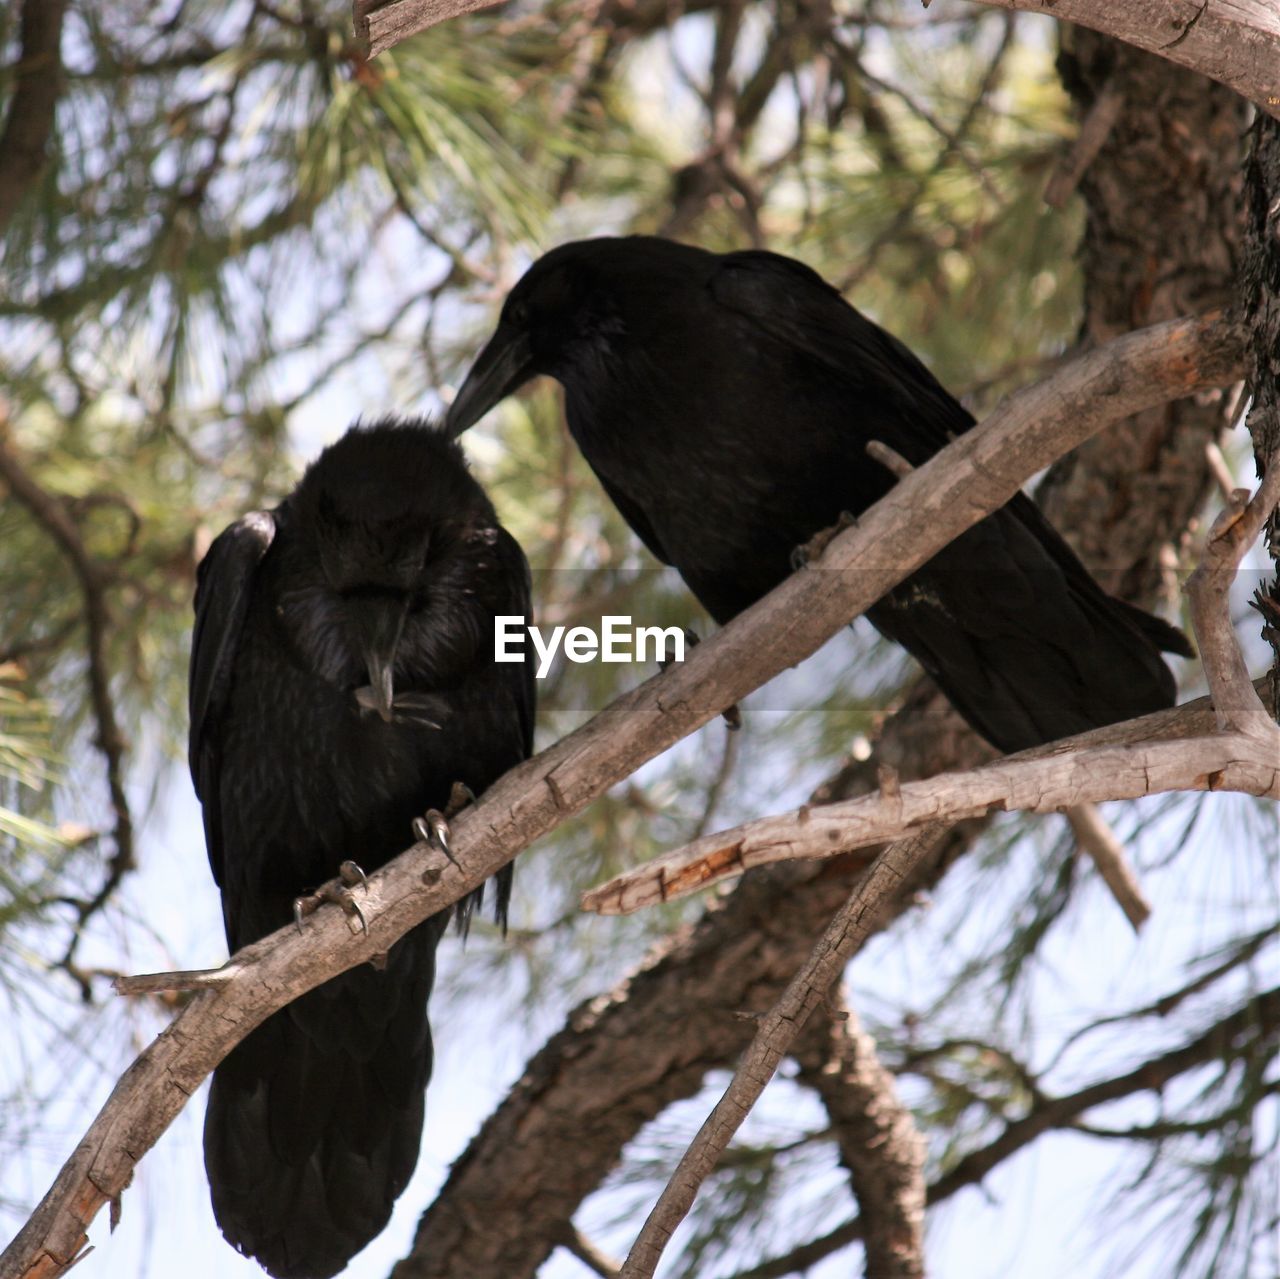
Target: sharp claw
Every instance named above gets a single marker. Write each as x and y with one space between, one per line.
351 875
460 796
433 829
732 717
337 891
359 914
439 826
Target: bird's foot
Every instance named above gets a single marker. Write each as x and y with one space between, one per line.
732 715
806 553
337 891
433 827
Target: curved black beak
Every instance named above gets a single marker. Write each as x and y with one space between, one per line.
505 364
379 628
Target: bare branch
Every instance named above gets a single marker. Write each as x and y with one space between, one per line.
1099 841
1234 531
1258 1017
383 25
162 983
1237 44
927 509
853 923
1095 129
1043 780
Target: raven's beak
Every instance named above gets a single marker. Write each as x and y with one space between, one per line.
380 629
505 364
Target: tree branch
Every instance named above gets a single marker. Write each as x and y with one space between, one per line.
1236 704
962 484
51 514
1096 838
1044 779
1237 44
38 82
877 1136
1258 1017
853 923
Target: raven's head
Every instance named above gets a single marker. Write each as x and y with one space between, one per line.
386 512
571 314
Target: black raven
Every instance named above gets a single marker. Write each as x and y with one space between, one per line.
725 402
342 680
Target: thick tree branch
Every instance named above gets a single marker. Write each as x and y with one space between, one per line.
38 82
877 1137
1237 44
968 479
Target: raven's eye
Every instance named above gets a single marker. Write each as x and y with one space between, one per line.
518 314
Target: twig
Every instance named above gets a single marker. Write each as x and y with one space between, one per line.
382 25
1095 129
1218 467
1099 841
153 983
1255 1018
852 924
923 512
576 1243
889 458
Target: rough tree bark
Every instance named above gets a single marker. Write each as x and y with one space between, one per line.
1162 233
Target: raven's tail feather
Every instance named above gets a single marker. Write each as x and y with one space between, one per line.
315 1121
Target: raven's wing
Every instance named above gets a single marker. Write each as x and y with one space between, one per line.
515 571
224 586
520 677
798 309
639 521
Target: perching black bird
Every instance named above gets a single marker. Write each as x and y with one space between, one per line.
725 402
342 680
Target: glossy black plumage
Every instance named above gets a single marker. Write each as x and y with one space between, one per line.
372 588
725 402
